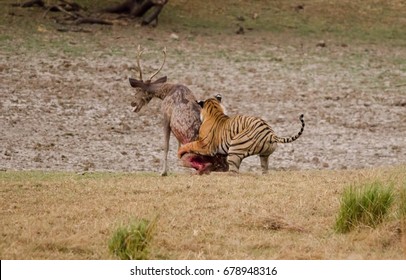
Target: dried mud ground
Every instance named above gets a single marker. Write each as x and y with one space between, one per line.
65 97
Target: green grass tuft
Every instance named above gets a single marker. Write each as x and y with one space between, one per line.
364 205
132 242
402 204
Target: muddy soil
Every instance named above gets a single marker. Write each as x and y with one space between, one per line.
71 112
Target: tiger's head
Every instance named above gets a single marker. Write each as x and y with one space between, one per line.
211 107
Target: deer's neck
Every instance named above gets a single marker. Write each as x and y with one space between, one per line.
163 91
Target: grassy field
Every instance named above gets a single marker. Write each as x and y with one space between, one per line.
287 214
371 21
283 215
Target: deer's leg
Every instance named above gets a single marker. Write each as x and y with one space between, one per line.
167 134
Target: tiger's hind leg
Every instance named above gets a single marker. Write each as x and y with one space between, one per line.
264 163
264 158
234 161
240 147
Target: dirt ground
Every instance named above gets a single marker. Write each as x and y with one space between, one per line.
65 97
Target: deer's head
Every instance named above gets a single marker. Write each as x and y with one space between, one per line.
145 90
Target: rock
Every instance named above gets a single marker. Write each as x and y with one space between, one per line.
240 30
174 36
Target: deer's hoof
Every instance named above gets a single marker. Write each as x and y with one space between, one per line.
164 173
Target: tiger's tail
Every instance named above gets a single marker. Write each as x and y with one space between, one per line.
290 139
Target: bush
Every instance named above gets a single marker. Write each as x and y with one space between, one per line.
402 204
402 214
132 242
364 205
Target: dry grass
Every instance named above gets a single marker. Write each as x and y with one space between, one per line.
284 215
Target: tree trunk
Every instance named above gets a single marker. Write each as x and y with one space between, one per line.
140 8
153 16
30 3
123 8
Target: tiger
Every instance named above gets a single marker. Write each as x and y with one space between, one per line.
237 136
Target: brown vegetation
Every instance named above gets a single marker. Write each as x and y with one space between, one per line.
283 215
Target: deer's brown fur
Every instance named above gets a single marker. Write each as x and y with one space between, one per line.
181 116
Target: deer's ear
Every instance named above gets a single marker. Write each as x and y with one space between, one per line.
135 83
160 80
218 97
200 102
138 84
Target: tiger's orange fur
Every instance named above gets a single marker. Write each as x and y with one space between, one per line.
238 137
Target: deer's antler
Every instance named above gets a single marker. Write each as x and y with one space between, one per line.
160 68
139 53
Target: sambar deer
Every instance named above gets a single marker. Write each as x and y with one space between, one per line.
181 116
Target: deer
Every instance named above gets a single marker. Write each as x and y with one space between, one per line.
181 116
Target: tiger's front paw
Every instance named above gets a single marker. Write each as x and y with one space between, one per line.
183 150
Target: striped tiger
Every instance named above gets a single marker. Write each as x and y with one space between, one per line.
238 137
